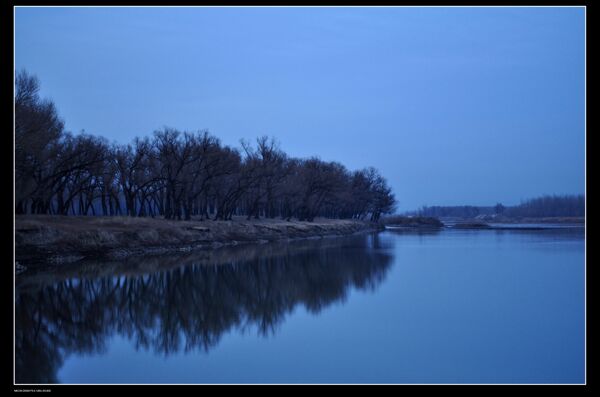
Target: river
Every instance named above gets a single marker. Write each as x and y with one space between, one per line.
452 306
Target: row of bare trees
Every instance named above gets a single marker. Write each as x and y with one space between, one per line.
176 174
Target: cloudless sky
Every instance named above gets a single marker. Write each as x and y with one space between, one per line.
453 105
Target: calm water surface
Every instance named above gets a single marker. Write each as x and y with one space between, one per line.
395 307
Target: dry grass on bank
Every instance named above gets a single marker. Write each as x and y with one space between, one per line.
38 235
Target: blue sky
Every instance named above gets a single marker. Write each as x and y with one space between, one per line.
456 105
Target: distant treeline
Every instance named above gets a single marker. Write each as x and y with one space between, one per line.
176 174
546 206
540 207
458 211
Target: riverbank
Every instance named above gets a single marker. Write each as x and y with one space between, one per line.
412 222
399 223
513 224
556 220
45 239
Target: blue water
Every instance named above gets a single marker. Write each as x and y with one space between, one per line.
397 307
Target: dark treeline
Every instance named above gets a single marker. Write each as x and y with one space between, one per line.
548 206
176 174
188 307
457 211
545 206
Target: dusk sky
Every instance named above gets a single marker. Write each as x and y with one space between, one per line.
453 105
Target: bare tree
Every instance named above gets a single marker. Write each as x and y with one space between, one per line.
38 130
177 174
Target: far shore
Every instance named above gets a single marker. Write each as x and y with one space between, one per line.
543 220
47 239
492 223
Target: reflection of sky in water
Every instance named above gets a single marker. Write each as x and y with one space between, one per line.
447 307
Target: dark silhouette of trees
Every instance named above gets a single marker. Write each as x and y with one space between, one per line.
549 206
459 211
177 174
38 130
539 207
499 209
78 176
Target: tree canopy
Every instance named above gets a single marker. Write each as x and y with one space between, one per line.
177 174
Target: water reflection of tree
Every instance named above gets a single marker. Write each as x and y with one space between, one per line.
188 307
